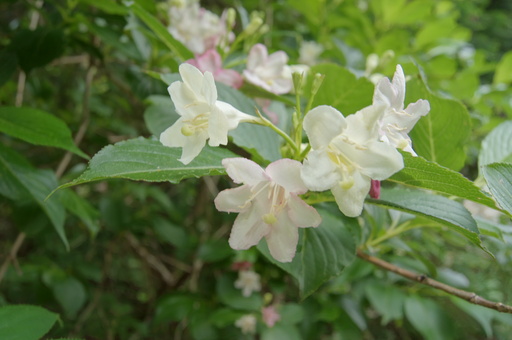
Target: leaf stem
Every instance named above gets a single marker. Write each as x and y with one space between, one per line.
288 139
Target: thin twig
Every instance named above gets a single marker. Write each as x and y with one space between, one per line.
11 257
465 295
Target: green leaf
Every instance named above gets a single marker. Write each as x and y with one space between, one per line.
322 253
36 48
160 114
499 180
449 213
388 300
428 318
258 140
148 160
340 89
70 293
24 322
174 307
37 127
418 172
82 209
497 146
8 65
161 32
481 314
503 72
36 184
447 124
280 331
107 6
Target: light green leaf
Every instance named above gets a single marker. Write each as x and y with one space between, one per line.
161 32
499 180
107 6
37 127
322 253
340 89
24 322
281 331
428 318
503 72
70 293
148 160
441 135
34 183
388 300
449 213
418 172
497 146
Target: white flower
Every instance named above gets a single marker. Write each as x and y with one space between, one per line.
396 122
248 281
247 324
346 154
268 205
202 115
309 52
268 71
197 28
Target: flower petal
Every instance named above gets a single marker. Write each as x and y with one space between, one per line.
319 173
322 124
362 126
302 214
193 146
379 161
248 230
172 136
350 201
399 87
414 112
217 127
257 56
283 238
208 89
242 170
233 115
286 173
233 200
191 75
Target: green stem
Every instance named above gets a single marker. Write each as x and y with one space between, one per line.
288 139
392 232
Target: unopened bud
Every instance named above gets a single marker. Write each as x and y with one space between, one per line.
297 81
253 26
230 17
375 189
317 82
372 62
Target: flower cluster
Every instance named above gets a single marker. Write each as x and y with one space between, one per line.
346 155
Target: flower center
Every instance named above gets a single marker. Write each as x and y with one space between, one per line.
195 125
346 167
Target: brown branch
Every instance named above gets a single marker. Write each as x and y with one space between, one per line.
465 295
12 254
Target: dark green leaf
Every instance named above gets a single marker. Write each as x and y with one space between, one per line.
36 184
428 318
37 127
161 32
438 208
387 300
23 322
107 6
148 160
232 297
8 65
81 208
160 114
441 135
322 253
421 173
70 293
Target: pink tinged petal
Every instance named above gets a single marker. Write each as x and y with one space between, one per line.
283 238
275 63
172 136
319 173
248 230
302 214
257 56
233 200
254 79
322 124
193 146
242 170
281 86
195 63
399 87
229 77
209 61
217 127
286 173
351 201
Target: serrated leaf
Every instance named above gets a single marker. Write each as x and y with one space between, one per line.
36 184
418 172
37 127
441 135
322 253
24 322
148 160
449 213
499 181
497 145
340 89
161 32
